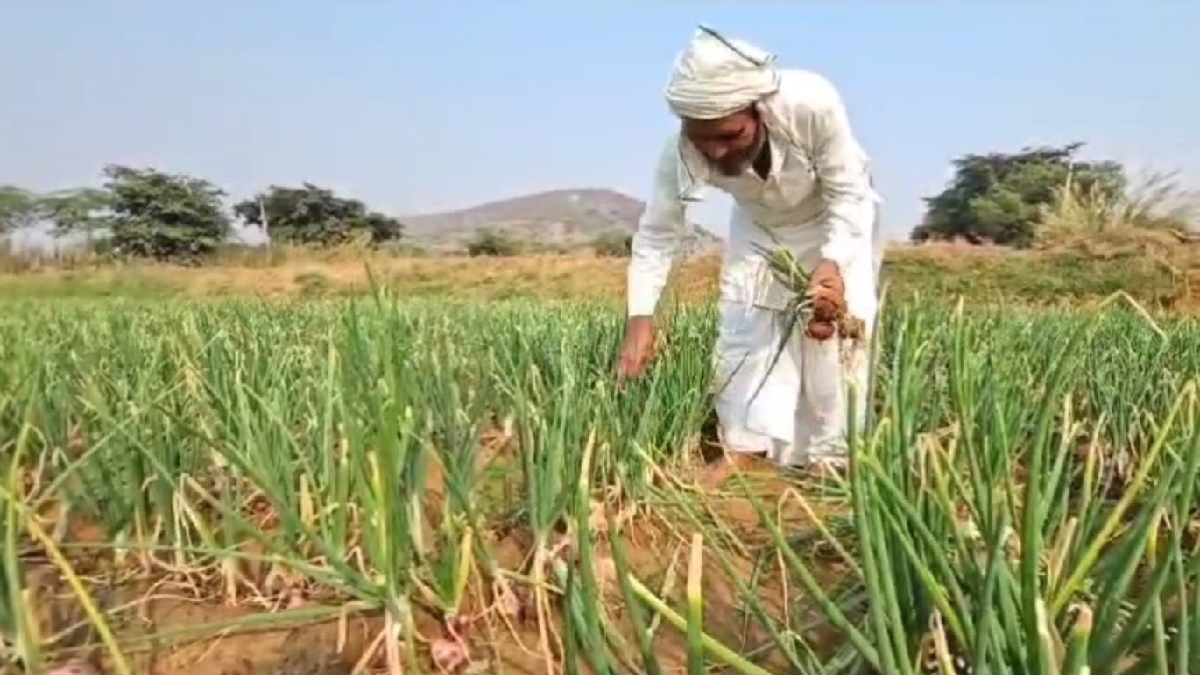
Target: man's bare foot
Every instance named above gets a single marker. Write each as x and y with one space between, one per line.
720 469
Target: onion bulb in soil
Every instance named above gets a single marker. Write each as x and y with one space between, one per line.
74 667
449 655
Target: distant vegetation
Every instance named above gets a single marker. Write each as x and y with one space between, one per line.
1000 199
1016 199
148 213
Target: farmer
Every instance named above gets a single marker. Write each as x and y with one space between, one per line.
779 142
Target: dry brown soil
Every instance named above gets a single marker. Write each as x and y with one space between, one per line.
174 623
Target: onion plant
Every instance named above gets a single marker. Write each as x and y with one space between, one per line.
1020 502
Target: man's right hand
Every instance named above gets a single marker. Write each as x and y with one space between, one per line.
637 351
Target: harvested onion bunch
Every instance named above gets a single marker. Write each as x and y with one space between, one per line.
790 274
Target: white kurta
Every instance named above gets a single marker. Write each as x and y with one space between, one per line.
818 201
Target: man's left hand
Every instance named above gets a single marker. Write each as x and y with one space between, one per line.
827 292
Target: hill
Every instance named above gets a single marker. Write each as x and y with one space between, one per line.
556 218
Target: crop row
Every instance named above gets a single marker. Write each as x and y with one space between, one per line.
1022 500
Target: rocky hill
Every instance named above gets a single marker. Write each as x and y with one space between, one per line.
557 218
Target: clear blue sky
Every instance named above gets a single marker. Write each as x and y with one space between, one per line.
417 107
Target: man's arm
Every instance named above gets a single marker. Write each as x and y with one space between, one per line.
844 179
656 240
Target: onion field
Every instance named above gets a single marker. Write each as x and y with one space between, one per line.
381 485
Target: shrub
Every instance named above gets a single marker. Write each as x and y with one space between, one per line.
495 243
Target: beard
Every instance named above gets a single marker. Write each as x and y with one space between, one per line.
732 169
736 165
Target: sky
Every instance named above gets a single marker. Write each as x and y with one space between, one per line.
417 107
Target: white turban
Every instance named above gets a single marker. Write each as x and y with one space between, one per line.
716 77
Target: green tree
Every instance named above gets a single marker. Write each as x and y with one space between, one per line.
496 243
18 208
314 215
78 210
997 198
613 245
164 216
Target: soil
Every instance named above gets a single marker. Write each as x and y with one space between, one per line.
181 625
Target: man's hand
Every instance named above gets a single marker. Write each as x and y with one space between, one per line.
827 292
637 351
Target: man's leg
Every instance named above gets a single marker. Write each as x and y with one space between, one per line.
746 339
837 375
834 380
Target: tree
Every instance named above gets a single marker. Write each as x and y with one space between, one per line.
613 245
18 208
495 243
164 216
997 197
75 210
314 215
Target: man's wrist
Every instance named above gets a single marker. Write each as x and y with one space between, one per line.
828 265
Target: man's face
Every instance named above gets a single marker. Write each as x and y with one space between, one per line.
728 143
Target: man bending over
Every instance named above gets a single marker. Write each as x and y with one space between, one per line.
779 142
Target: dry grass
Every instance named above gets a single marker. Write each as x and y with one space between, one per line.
1155 203
1150 264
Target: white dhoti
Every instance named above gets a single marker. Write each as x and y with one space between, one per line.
792 403
816 199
